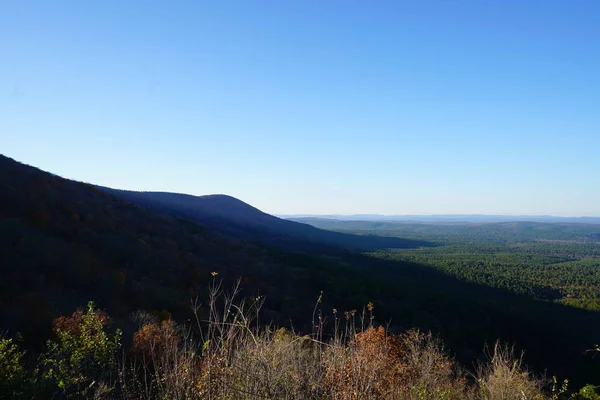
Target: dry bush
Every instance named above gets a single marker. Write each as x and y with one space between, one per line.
236 358
230 356
155 340
376 365
365 369
242 360
432 374
272 365
164 364
505 378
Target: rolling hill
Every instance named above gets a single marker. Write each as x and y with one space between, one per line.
233 217
63 243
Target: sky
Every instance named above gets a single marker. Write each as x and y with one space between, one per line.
320 107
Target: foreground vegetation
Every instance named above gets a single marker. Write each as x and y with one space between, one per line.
231 356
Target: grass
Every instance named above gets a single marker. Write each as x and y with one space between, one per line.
230 355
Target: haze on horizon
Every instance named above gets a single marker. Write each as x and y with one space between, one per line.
408 107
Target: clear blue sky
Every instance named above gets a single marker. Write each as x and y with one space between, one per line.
337 106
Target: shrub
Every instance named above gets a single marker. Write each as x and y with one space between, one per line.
81 356
505 378
589 392
271 365
236 358
12 372
376 365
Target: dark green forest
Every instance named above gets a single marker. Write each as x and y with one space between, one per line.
548 261
64 243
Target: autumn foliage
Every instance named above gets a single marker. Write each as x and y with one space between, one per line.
231 356
381 366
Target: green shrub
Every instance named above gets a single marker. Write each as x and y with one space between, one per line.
588 392
12 372
81 357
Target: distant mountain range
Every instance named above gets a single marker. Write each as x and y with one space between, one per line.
447 218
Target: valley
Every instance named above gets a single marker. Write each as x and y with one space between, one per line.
558 262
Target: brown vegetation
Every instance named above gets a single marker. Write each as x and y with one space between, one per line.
237 360
230 356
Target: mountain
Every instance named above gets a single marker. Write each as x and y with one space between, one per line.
233 217
64 243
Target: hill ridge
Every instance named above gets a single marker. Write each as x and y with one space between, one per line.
233 216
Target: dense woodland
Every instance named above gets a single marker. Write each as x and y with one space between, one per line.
562 272
553 262
64 243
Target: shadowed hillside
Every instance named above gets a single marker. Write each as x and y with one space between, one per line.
64 243
234 217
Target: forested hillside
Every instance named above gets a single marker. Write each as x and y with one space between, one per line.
231 216
65 243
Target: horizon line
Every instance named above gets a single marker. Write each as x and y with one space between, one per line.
441 215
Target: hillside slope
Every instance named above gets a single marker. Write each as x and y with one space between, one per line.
63 243
236 218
